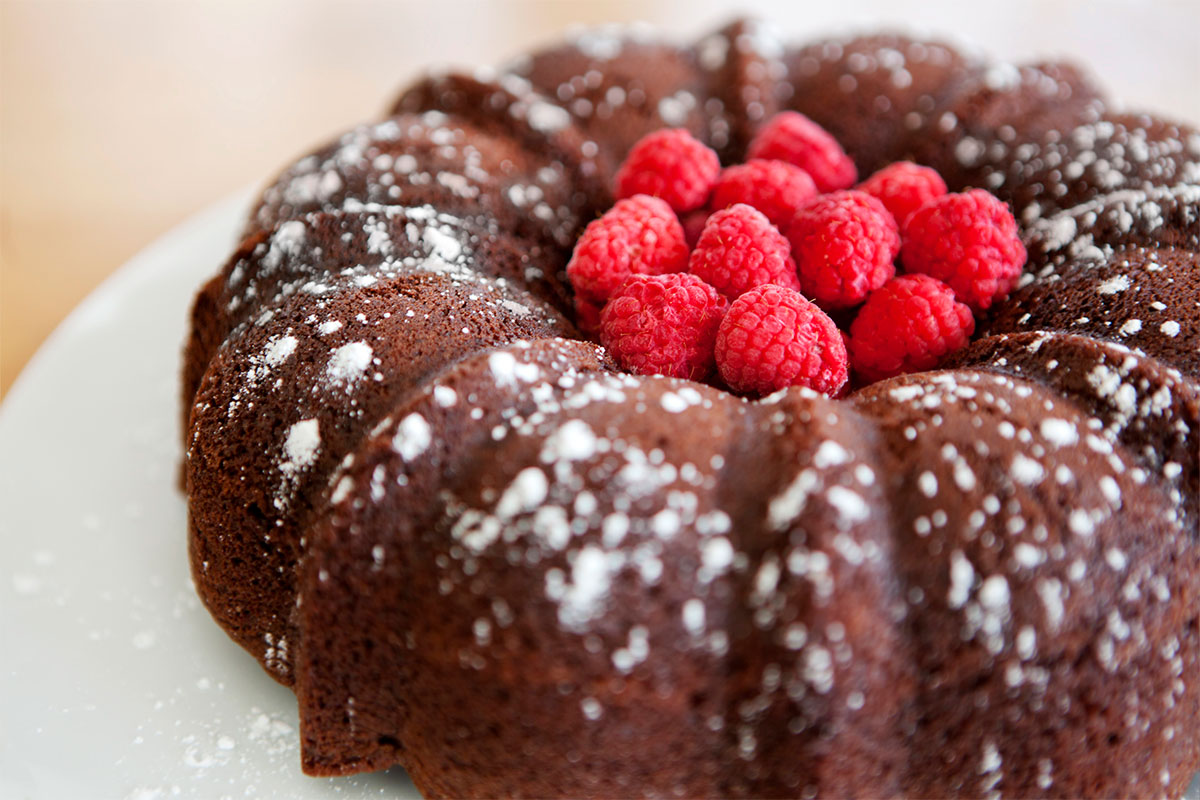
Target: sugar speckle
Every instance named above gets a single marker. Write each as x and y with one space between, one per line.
582 599
413 437
693 616
962 578
1026 471
526 492
591 708
445 396
348 362
1130 327
990 760
278 350
301 446
1059 432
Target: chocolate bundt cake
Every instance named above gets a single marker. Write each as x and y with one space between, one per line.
476 549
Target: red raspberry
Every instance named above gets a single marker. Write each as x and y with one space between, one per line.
792 137
908 325
968 240
776 188
845 244
663 325
772 338
637 236
740 249
904 187
671 164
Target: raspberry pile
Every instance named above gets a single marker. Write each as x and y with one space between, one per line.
730 275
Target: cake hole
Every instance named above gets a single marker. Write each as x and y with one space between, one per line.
390 742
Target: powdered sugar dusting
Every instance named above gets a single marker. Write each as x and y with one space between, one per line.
349 362
301 446
413 437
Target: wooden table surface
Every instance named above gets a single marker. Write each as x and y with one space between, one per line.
119 119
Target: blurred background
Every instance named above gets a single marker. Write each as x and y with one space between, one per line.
120 118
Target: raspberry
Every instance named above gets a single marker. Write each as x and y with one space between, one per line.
968 240
671 164
908 325
772 338
637 236
663 325
776 188
904 187
739 249
845 244
792 137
